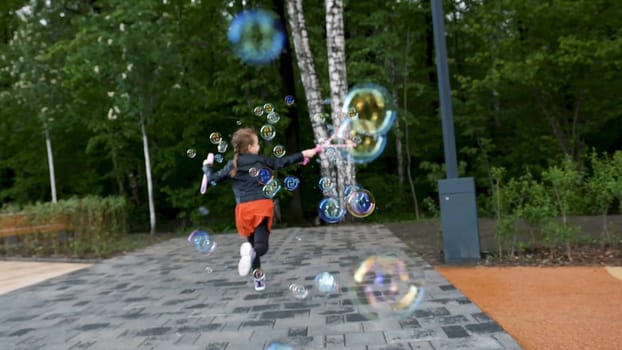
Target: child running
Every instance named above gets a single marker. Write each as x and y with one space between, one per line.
253 211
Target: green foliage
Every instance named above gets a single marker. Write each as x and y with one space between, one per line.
531 81
91 225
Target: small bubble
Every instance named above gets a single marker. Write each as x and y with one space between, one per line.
319 118
299 291
264 175
258 111
268 107
325 282
279 346
289 100
267 132
279 151
203 211
222 146
191 153
215 138
273 117
291 183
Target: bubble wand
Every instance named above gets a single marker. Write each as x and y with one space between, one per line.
208 162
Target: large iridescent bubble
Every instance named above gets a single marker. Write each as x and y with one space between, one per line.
372 103
359 142
385 287
360 203
257 36
202 241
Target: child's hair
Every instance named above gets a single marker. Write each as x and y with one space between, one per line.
241 140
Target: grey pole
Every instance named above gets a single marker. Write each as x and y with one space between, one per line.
444 89
457 199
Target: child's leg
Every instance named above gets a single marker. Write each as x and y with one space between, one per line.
259 240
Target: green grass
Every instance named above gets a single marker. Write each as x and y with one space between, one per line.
119 246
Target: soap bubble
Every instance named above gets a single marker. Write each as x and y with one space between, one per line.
289 100
372 103
267 132
273 117
268 107
264 175
191 153
360 203
258 111
222 146
215 138
257 36
218 158
279 151
291 183
254 172
319 118
385 288
203 211
202 241
271 188
298 290
326 184
330 210
279 346
325 282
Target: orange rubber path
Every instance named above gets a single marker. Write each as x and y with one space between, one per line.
550 307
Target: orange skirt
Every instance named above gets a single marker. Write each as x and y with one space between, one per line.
249 215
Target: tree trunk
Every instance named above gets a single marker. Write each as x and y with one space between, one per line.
48 144
308 74
399 153
152 215
336 49
294 213
407 128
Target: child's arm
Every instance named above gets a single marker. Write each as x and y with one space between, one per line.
219 176
276 163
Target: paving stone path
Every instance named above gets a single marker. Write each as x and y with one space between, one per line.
170 297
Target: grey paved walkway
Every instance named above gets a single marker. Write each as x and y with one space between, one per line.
164 298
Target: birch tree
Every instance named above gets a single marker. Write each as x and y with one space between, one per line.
308 75
336 50
341 171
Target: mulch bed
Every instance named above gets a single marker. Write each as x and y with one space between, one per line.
587 255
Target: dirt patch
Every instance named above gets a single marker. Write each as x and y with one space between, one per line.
425 238
19 274
547 308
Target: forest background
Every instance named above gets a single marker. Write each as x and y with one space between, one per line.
536 107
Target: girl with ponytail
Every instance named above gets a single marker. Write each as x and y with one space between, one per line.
254 212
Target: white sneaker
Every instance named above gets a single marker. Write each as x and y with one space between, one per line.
247 254
260 280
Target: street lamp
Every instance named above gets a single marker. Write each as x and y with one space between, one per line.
457 199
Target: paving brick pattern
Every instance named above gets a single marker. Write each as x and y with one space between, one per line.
170 297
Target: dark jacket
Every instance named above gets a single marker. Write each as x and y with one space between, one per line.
246 187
